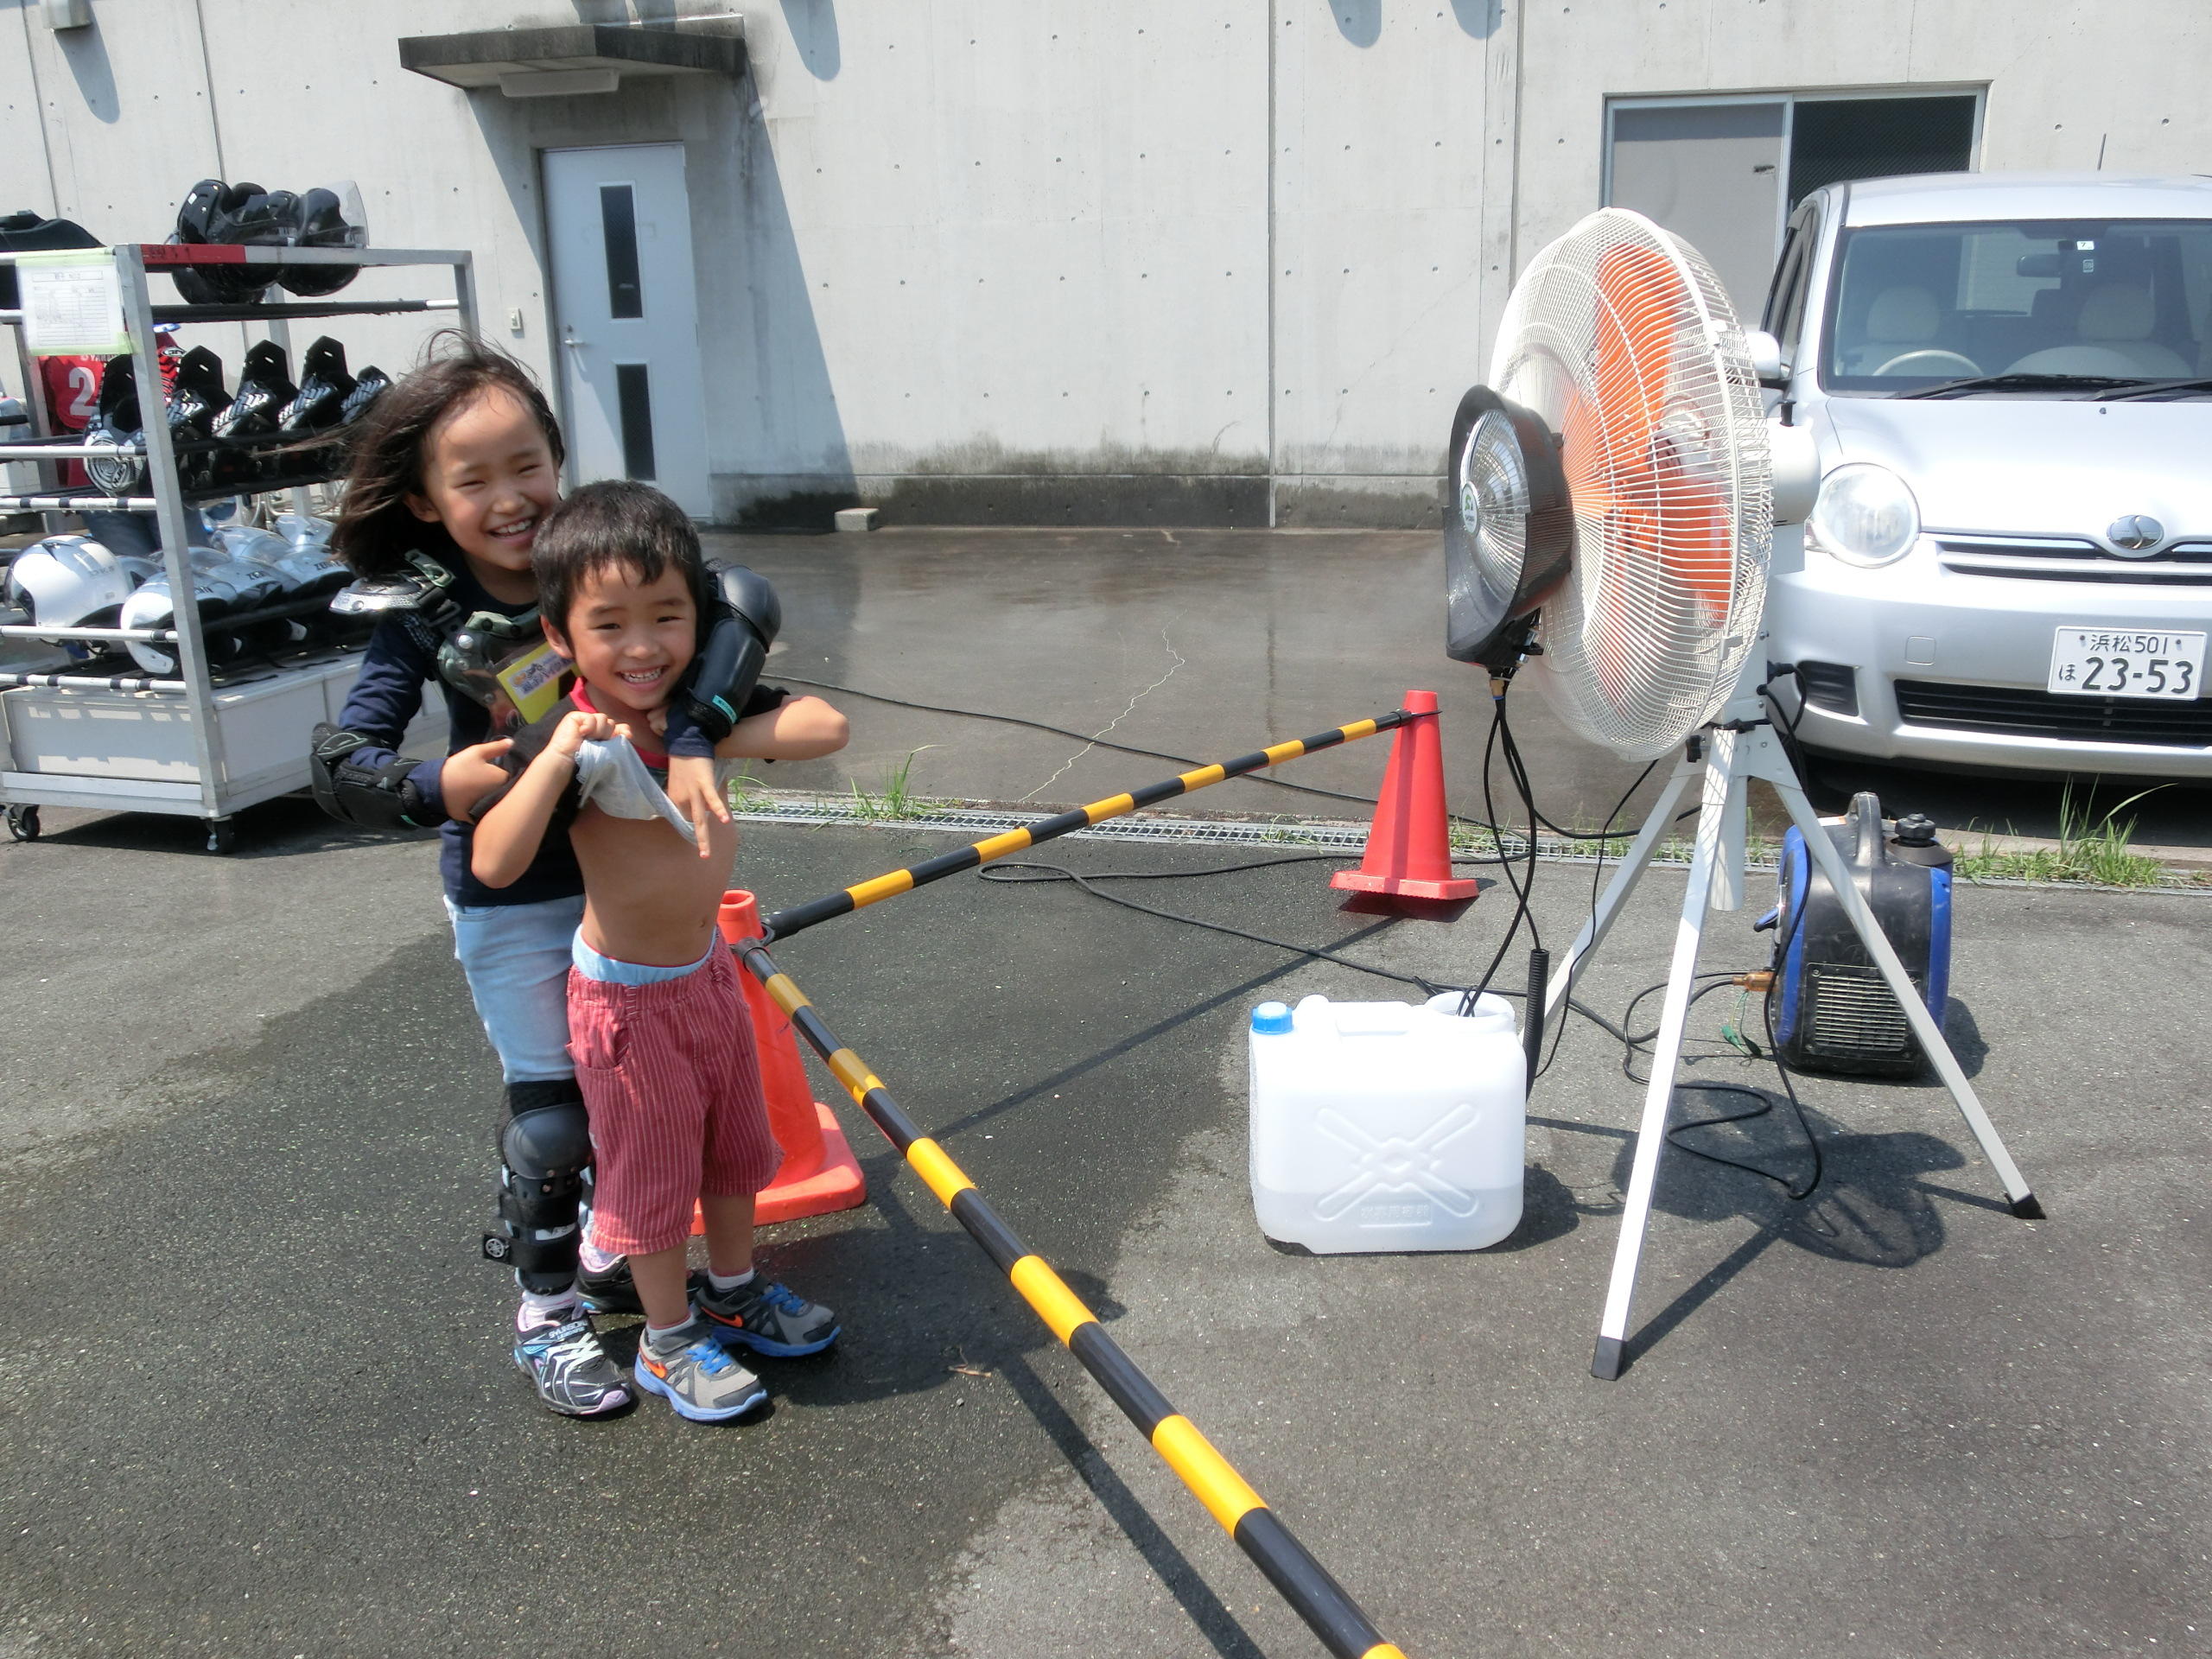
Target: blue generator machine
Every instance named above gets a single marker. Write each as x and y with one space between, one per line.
1834 1011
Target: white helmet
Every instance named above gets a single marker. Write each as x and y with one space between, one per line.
304 530
219 586
72 581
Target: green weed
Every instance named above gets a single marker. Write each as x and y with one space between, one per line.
2091 848
749 794
897 803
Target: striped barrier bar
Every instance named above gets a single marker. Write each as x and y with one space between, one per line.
798 918
1301 1580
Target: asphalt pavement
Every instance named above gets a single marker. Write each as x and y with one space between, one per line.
256 1397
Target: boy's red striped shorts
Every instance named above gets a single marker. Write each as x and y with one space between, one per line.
672 1083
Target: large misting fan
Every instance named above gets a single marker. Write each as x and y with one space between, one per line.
1613 491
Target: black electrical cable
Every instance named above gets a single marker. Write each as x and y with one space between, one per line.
1795 1193
1062 731
1151 754
1785 724
1501 741
1597 877
1499 744
1042 872
1002 870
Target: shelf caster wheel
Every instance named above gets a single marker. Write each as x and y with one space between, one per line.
23 823
222 835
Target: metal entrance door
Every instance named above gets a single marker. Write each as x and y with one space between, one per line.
617 226
1711 174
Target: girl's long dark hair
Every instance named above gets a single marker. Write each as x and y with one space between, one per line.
374 528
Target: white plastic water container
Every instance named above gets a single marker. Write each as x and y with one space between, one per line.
1380 1126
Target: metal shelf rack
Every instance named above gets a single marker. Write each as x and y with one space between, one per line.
194 743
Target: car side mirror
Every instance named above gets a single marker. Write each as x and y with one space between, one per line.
1766 359
1793 471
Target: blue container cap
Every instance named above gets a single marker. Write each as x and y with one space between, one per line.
1271 1017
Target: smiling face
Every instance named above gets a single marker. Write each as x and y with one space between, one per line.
488 476
630 640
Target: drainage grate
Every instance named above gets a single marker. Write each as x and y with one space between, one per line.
975 822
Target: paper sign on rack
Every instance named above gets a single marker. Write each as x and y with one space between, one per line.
73 302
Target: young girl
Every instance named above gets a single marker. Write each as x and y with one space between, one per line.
453 470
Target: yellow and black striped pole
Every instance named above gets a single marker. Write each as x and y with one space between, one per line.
1301 1580
785 923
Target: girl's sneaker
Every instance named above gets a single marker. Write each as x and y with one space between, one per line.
694 1374
765 1316
570 1371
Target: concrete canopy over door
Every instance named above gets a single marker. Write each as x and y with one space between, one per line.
618 231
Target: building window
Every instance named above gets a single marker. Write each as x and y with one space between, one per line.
1723 173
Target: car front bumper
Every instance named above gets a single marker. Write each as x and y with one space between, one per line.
1951 668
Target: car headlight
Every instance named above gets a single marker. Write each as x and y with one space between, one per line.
1865 515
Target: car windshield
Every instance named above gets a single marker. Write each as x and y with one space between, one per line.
2056 305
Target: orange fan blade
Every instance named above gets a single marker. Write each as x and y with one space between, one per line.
1621 470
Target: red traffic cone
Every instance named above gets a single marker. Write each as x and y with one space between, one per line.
819 1173
1409 844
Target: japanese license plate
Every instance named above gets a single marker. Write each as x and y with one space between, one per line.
2126 663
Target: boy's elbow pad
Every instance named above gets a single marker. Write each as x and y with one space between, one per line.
712 691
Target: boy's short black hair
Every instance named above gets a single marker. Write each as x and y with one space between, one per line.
617 522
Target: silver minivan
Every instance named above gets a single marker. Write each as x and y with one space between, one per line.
2009 564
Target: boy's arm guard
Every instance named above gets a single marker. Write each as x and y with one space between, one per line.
711 697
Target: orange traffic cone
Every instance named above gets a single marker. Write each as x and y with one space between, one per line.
1410 845
819 1173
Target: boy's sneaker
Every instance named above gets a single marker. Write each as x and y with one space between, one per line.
694 1374
616 1292
571 1370
765 1316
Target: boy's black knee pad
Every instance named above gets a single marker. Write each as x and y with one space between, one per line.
544 1160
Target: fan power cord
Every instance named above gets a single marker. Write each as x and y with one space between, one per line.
1150 755
1634 1043
1037 870
1501 740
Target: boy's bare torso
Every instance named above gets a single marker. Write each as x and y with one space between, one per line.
649 897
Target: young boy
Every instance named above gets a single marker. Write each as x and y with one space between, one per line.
658 1025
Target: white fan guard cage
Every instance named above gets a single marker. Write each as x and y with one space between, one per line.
1621 338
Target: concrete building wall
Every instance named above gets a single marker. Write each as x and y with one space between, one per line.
1022 261
2067 86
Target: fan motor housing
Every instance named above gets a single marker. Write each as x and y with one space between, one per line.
1483 601
1834 1012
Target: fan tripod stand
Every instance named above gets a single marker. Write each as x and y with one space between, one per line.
1737 747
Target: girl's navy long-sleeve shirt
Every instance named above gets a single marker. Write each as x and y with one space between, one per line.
402 656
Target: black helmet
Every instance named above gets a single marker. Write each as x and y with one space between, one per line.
214 212
25 231
328 216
